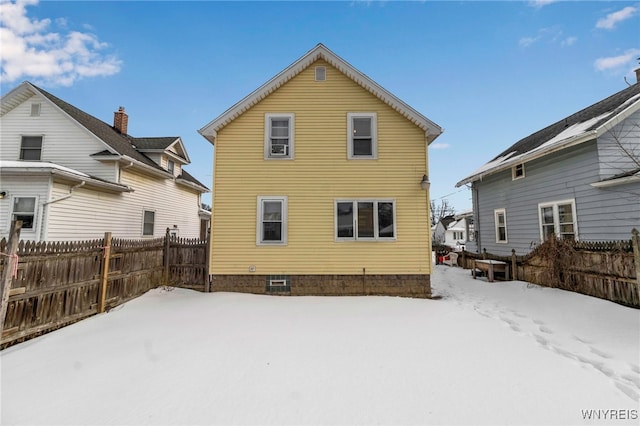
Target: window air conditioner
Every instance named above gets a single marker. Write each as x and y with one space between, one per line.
279 150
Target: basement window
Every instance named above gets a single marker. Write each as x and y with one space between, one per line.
278 283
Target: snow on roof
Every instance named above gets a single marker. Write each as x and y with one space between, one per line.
38 165
567 135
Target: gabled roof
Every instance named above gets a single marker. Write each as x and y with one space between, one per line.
583 126
161 144
115 142
431 129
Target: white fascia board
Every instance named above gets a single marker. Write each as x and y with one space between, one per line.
616 182
529 156
141 166
191 185
432 130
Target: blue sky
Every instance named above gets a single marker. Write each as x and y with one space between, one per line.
489 73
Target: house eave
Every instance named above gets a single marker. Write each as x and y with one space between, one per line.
90 181
616 182
530 156
191 185
432 130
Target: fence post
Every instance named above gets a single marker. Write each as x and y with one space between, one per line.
484 253
464 259
207 281
635 242
104 272
167 247
514 265
10 267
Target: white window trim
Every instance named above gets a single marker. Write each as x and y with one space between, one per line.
154 223
267 134
374 135
35 213
556 217
496 212
31 136
285 201
355 202
513 172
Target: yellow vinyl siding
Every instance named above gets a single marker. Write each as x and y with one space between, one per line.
319 174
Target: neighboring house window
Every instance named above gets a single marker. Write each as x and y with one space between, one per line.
362 135
457 235
321 73
279 131
24 209
170 166
31 148
501 225
272 220
517 171
365 220
35 110
148 221
470 229
558 218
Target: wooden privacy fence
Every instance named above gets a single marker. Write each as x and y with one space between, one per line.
58 283
608 270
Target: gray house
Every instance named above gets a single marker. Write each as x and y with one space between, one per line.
578 178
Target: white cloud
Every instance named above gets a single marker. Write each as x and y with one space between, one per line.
540 3
552 35
439 145
614 18
528 41
30 49
617 62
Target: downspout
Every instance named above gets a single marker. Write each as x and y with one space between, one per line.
64 197
476 217
428 201
121 169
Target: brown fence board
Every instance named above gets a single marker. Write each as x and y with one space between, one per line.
59 283
607 270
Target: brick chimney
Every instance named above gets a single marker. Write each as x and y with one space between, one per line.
637 70
120 120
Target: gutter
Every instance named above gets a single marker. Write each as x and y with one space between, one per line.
191 185
615 182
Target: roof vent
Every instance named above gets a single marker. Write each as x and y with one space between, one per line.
321 73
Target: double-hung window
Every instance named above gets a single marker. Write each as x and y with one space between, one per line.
272 220
148 222
279 135
365 220
362 135
31 148
24 209
500 216
559 219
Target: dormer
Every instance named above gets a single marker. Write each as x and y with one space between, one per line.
168 152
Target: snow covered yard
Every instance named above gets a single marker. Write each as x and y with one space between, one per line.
486 353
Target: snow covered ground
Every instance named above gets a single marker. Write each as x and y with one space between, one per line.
486 353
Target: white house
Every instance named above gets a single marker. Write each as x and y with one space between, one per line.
455 231
70 176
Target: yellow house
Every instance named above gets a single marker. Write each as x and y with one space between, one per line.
321 186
